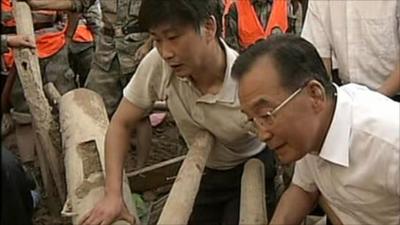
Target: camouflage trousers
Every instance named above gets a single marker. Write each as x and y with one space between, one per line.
53 69
80 60
108 84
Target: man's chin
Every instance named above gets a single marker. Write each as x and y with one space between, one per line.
286 160
181 74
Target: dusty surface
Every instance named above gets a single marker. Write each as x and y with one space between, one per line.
166 144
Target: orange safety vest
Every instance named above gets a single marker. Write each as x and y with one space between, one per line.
48 40
82 33
249 27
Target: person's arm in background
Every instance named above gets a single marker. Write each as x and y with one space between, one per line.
315 32
93 18
328 65
16 41
232 28
294 206
65 5
144 49
391 86
112 206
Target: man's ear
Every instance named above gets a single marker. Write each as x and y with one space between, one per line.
209 29
317 93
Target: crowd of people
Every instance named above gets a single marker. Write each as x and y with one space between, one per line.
314 84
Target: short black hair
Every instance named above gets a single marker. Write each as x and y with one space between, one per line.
297 61
180 12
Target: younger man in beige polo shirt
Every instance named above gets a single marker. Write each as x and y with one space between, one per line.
190 69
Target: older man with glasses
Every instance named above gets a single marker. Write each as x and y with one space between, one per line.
345 140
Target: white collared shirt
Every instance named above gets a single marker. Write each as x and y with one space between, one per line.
219 114
364 35
358 167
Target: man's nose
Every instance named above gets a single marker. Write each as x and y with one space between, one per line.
264 134
166 51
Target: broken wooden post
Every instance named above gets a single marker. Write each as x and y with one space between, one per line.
27 64
84 122
253 208
156 175
180 201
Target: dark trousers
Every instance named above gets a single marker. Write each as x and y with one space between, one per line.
16 198
218 200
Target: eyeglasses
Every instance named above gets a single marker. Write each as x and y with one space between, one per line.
268 117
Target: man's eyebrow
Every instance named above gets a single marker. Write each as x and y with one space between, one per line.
262 102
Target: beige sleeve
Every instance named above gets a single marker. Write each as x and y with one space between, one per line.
144 87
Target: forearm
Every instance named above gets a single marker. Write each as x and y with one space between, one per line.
62 5
391 86
328 66
294 205
4 46
116 148
51 4
117 144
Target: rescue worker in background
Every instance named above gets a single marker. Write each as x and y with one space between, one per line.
51 50
248 21
54 67
120 46
82 46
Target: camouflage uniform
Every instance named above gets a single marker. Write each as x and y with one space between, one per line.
263 10
114 63
80 54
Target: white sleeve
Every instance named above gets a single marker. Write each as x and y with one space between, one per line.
314 28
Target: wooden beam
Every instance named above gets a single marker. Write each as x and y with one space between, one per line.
27 64
84 122
180 201
155 175
253 209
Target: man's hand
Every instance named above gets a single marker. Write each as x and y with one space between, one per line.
107 211
20 41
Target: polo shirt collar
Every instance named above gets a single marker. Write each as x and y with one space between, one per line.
336 145
228 92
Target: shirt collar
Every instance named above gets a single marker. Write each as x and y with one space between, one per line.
336 145
228 92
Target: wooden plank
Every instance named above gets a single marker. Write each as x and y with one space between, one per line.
155 175
180 201
27 64
253 209
84 122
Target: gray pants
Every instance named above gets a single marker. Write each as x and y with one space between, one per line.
108 84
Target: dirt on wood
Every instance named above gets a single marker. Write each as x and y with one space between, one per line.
166 144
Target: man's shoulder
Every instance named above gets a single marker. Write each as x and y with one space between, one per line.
154 67
373 114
